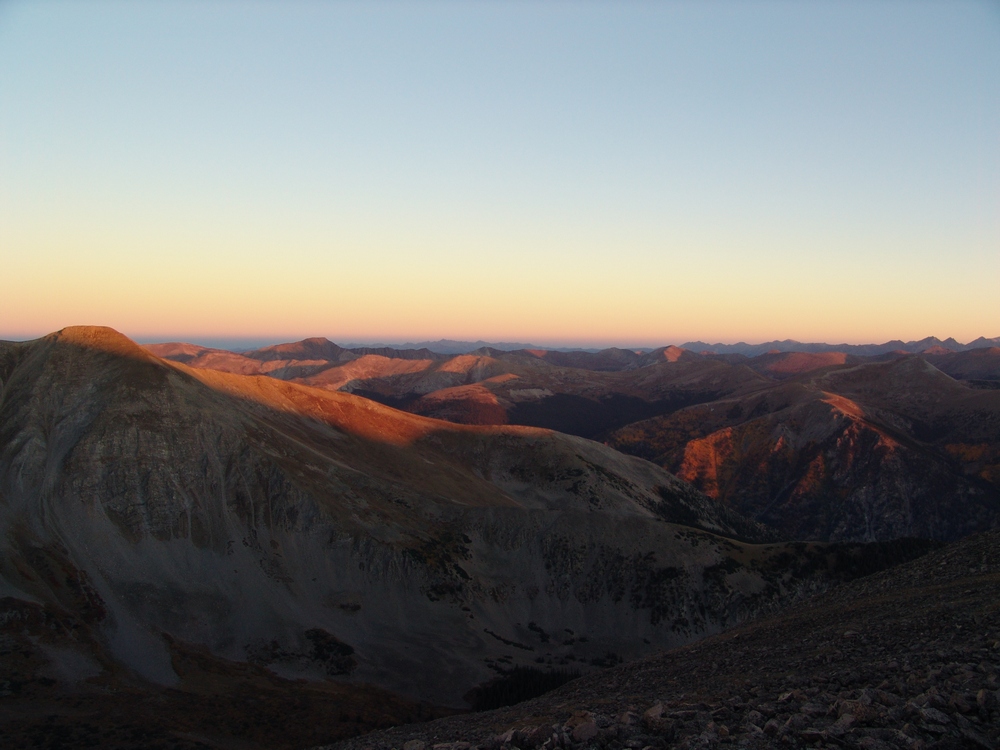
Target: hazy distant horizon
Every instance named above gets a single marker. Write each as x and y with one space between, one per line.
247 343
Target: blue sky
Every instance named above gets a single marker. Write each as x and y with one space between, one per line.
595 172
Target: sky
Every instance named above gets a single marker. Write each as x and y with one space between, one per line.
587 173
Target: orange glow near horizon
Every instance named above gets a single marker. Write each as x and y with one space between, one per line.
511 289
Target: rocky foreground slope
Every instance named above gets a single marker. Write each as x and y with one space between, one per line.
906 658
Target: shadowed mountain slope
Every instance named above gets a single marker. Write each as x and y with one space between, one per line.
782 365
906 658
975 364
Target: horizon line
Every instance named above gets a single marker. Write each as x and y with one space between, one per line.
249 342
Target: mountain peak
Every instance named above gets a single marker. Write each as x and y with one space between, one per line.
100 338
316 347
670 353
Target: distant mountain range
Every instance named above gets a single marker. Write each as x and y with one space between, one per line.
863 350
819 445
451 346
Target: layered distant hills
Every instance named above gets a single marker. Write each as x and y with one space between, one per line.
826 445
450 346
929 344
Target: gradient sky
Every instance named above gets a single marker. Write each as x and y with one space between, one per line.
595 172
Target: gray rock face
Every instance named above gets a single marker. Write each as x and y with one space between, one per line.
325 536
